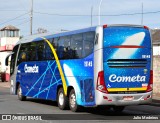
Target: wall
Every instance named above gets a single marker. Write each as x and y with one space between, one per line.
156 74
2 60
156 50
7 43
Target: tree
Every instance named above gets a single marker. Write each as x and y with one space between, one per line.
41 30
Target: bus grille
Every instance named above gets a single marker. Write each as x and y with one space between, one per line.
127 63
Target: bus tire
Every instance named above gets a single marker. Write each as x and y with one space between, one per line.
118 108
72 101
19 93
62 100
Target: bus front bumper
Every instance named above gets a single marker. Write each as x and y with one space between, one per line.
123 99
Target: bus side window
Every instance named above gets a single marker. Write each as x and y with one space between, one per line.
88 39
40 51
32 52
54 43
77 46
67 47
22 57
48 52
62 50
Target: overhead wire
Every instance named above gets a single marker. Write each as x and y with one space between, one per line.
71 15
24 22
12 10
124 14
12 19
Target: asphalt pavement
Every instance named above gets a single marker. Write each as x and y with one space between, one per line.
156 97
9 104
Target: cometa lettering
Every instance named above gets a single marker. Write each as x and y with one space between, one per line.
31 69
138 78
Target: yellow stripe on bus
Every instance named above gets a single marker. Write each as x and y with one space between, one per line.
126 89
59 66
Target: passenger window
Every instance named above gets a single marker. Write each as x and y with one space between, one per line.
63 47
48 52
74 46
77 46
22 57
54 43
41 51
32 52
88 38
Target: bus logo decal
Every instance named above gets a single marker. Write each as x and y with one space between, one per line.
31 69
138 78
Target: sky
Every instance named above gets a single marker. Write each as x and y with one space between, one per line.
57 15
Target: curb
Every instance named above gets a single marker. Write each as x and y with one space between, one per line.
155 102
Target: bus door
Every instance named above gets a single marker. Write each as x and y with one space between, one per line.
13 69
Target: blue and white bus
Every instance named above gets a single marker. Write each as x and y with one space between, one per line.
109 65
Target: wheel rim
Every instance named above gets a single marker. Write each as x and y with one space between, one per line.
61 98
72 100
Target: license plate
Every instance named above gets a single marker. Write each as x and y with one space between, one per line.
128 98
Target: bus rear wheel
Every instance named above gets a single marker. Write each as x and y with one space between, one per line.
72 101
62 100
19 93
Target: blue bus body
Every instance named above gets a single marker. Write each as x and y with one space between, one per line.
117 72
44 83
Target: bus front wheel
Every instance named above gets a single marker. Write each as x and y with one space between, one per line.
72 101
62 100
19 93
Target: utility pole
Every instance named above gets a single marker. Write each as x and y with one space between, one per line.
99 13
142 15
31 17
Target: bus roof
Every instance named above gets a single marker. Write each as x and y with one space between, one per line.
51 35
48 36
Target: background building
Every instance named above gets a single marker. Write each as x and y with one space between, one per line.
156 61
9 36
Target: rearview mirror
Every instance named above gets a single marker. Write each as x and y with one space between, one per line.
7 59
